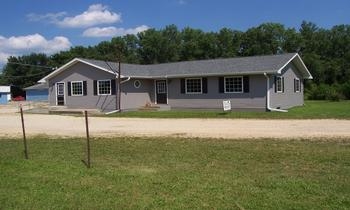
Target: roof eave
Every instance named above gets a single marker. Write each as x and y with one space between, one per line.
203 75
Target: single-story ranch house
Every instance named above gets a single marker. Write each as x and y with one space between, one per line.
272 82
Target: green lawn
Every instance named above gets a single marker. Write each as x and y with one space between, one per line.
311 110
163 173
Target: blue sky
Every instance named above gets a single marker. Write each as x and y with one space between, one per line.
49 26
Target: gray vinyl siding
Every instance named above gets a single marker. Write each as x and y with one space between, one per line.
134 98
131 97
83 72
255 99
288 98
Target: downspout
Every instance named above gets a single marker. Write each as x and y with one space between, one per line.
268 96
118 110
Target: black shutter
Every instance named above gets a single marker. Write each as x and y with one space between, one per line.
205 85
69 88
275 84
221 85
295 85
246 84
182 85
113 86
95 87
282 84
84 88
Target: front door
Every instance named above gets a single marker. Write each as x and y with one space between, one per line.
60 93
161 91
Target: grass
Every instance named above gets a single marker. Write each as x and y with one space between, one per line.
158 173
311 110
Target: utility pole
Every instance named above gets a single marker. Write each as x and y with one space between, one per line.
119 87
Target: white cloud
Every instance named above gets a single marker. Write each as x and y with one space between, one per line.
19 45
96 14
112 31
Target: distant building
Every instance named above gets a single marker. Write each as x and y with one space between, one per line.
38 92
5 94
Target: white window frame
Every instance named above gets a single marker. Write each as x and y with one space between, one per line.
64 90
297 80
233 91
63 83
279 78
186 79
71 88
138 85
110 87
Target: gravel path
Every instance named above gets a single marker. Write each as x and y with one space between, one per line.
57 125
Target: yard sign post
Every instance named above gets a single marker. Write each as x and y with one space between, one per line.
24 134
88 164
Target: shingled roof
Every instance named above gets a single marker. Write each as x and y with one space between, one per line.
271 64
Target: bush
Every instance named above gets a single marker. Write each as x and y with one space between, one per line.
325 92
346 90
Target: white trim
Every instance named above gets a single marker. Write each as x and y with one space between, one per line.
190 93
156 92
167 90
299 85
64 94
308 76
135 86
70 63
279 91
98 87
71 88
242 85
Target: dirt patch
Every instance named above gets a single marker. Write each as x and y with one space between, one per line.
57 125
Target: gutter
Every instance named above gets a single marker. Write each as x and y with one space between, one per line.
118 110
268 96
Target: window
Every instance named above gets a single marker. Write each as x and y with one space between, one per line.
137 84
161 87
193 86
104 87
77 88
296 85
233 84
279 84
60 88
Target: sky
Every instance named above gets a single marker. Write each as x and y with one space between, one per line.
50 26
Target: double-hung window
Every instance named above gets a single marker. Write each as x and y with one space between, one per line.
77 88
234 84
279 84
194 86
104 87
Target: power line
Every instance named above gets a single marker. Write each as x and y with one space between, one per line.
37 66
30 75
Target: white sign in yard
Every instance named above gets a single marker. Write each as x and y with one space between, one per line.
226 105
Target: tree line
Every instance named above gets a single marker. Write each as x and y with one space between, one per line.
326 52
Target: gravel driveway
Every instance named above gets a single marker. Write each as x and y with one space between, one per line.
58 125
